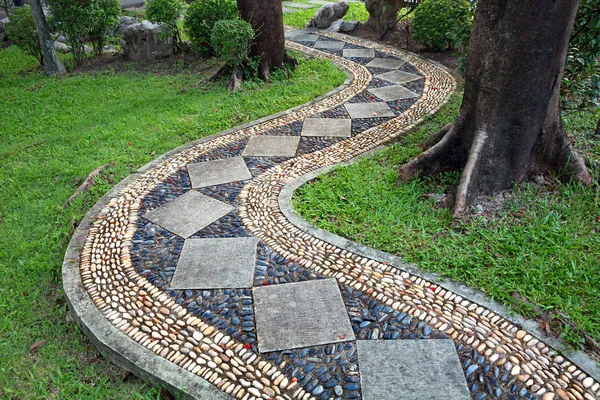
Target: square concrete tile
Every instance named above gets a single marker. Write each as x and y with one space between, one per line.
329 44
216 264
391 93
388 63
359 53
217 172
398 76
188 213
271 146
336 127
368 110
301 314
411 370
297 5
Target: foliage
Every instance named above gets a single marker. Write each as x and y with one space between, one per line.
200 18
21 30
443 24
166 13
105 17
231 40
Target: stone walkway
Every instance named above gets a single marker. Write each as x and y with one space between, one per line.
192 274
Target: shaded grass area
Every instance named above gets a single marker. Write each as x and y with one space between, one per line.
298 19
53 132
540 255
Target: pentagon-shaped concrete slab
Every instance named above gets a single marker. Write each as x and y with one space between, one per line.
368 110
217 172
329 44
388 63
216 264
359 53
336 127
297 5
271 146
301 314
391 93
398 76
411 370
188 213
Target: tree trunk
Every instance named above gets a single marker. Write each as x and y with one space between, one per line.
597 132
509 126
52 65
383 14
266 17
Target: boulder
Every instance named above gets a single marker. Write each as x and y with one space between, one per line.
349 26
124 23
336 26
110 49
3 35
327 14
61 47
144 42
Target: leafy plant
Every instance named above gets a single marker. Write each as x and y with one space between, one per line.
443 24
106 16
201 17
21 30
231 40
166 13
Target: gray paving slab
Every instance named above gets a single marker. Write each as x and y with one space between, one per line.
391 93
368 110
329 44
388 63
321 2
411 370
336 127
216 264
359 53
306 38
271 146
297 5
188 213
217 172
302 314
287 10
398 76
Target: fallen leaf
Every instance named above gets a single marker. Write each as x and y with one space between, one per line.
37 346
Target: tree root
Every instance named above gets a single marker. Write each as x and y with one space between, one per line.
87 184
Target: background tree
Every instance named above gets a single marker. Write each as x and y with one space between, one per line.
383 14
6 6
509 126
52 65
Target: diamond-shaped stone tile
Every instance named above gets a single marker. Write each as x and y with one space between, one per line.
329 44
297 5
411 370
368 110
359 53
188 213
301 314
216 264
336 127
217 172
395 92
388 63
398 76
271 146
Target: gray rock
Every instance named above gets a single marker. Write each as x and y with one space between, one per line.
61 39
327 14
124 23
87 49
110 49
60 46
336 26
3 23
144 42
349 26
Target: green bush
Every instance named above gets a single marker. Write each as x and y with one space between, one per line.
231 40
166 13
443 24
200 18
21 30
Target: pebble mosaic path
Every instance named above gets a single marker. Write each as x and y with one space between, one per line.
194 262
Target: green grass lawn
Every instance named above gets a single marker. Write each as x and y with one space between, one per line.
298 19
55 131
541 254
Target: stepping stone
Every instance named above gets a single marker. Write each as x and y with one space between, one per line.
286 10
188 213
398 76
359 53
301 314
388 63
320 2
271 146
335 127
411 370
329 44
305 38
368 110
391 93
217 172
216 264
297 5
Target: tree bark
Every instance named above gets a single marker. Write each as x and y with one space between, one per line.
52 65
383 14
597 132
509 126
266 18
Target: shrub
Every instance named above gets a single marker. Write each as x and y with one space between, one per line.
443 24
21 30
106 16
200 18
166 13
231 40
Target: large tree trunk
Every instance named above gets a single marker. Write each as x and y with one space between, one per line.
383 14
266 17
52 65
509 126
